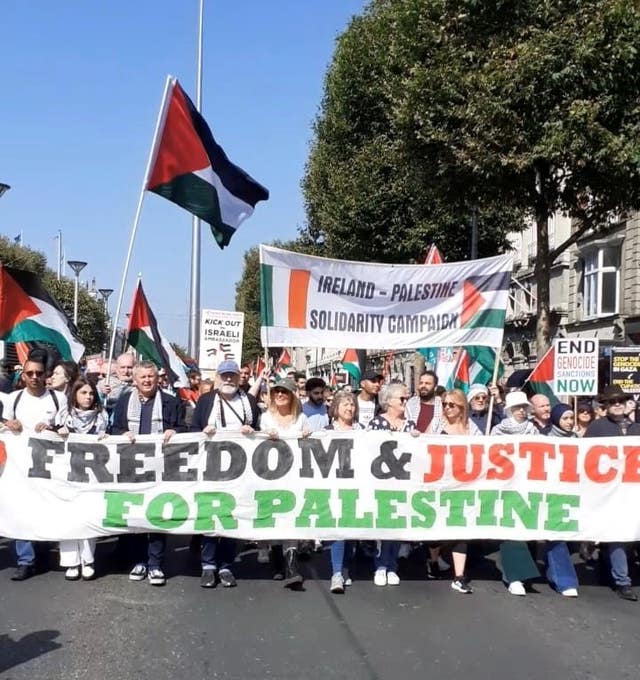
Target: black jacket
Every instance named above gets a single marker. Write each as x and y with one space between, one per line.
606 427
205 404
172 413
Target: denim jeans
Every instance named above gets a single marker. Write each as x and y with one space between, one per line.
560 570
387 557
146 549
217 552
25 552
619 564
340 550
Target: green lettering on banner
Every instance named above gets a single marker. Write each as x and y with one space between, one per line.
269 503
316 503
514 502
456 500
212 504
557 516
348 518
179 511
487 516
118 503
420 503
387 509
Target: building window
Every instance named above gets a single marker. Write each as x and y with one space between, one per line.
601 282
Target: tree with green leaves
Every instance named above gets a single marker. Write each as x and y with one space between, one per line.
519 107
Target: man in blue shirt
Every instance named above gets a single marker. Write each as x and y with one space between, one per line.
314 408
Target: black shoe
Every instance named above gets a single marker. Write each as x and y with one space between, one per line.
227 579
276 559
433 570
293 579
626 593
23 572
208 578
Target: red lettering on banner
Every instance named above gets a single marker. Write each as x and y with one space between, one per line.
537 453
592 463
437 453
632 464
499 457
569 471
459 455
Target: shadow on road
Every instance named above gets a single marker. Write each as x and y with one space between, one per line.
15 652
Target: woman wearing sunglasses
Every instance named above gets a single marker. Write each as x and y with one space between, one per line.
393 402
455 421
586 416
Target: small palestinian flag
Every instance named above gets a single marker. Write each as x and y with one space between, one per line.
540 380
189 168
475 367
259 367
145 337
351 364
29 314
433 256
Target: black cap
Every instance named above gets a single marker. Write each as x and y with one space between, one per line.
372 375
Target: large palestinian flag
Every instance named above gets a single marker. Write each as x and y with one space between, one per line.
540 380
351 364
145 337
189 168
29 314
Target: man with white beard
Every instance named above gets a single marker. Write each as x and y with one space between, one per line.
227 409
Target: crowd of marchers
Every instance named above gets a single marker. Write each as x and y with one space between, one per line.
137 399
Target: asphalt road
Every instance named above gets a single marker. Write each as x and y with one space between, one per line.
113 628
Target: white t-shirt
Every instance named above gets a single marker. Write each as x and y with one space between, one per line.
366 411
268 422
33 410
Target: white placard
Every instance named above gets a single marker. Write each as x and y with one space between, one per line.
220 337
575 366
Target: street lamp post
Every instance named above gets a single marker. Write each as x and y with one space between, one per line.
77 266
105 292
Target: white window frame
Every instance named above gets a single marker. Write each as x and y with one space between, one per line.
592 271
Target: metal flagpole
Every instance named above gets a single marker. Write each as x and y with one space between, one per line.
59 267
134 226
194 299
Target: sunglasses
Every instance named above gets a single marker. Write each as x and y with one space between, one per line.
450 404
280 391
614 402
34 374
480 397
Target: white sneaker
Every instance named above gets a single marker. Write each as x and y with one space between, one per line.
88 572
393 579
405 551
138 573
263 555
380 577
443 565
347 578
570 592
72 573
517 588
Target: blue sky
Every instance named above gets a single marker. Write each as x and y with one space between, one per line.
81 87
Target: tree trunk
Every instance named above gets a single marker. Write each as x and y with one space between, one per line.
542 268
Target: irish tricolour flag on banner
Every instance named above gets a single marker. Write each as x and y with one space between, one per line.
309 301
144 336
190 168
29 314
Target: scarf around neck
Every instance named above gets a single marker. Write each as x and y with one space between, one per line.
134 409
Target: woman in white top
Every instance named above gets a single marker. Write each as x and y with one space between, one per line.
284 418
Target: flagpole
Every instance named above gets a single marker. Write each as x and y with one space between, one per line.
494 381
194 299
59 267
136 220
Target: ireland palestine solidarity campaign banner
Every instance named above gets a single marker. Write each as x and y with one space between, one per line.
316 302
369 485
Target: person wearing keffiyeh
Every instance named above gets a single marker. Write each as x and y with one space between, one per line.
146 409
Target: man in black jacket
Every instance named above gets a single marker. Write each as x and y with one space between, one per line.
227 409
616 424
146 409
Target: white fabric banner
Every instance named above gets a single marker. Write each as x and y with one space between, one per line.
331 485
309 301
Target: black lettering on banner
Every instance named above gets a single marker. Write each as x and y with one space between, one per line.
395 466
130 462
260 460
176 456
324 458
40 456
214 471
79 462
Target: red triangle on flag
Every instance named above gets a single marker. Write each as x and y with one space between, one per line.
543 372
433 256
15 304
472 302
139 317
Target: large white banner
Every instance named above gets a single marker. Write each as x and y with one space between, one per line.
311 301
331 485
220 337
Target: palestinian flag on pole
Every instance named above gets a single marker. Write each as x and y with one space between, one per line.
259 367
284 364
475 367
433 256
351 364
145 337
189 168
28 314
540 380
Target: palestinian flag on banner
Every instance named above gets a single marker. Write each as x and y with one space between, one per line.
189 168
475 367
540 381
433 256
351 364
145 337
28 314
